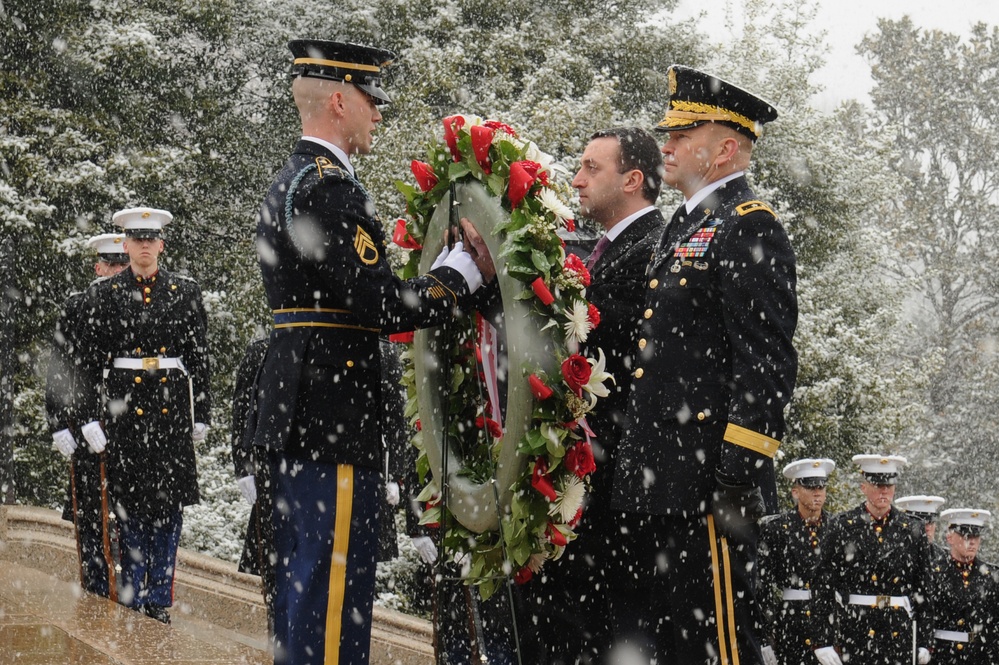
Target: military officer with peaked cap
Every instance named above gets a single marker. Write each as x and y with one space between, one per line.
148 338
869 595
714 369
88 505
925 508
790 545
332 291
965 592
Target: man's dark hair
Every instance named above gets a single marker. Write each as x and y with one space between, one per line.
639 150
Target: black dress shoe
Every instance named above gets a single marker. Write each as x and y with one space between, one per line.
157 612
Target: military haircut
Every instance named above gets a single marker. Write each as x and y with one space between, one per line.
639 151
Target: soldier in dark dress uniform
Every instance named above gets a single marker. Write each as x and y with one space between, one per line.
790 545
965 592
618 181
147 336
715 368
88 504
328 281
870 600
925 508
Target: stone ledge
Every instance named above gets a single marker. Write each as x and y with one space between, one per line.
207 589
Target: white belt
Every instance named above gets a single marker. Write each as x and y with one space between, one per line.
880 601
149 364
796 594
953 635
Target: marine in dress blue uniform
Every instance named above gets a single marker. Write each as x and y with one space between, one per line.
715 368
790 545
88 505
316 406
965 592
870 601
146 343
925 507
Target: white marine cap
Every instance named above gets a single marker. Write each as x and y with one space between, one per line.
920 505
142 222
969 521
110 247
880 469
810 472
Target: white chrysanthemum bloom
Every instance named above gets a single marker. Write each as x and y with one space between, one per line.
536 561
578 326
570 491
598 375
551 200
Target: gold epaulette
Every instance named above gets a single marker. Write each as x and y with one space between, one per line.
752 206
325 166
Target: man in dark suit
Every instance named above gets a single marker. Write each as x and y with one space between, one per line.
714 370
870 593
316 408
146 342
88 506
618 181
790 545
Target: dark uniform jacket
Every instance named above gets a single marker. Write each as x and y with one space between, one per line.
328 280
965 600
148 415
616 291
715 365
888 558
789 549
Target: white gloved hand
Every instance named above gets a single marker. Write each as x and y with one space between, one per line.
463 262
923 657
392 493
199 432
769 658
439 261
828 656
249 489
94 435
425 548
64 442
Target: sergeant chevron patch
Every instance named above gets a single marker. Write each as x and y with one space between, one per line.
365 247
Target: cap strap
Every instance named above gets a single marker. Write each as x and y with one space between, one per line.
337 63
683 112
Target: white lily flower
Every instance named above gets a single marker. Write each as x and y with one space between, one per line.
570 491
578 325
551 200
535 154
471 120
598 375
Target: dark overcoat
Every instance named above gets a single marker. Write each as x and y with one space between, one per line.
965 600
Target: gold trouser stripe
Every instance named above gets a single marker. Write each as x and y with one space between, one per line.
309 309
730 601
313 324
337 63
747 438
716 575
338 564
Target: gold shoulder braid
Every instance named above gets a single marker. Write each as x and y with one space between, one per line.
752 206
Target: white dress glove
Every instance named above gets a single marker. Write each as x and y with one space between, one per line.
425 548
199 432
769 658
64 442
392 493
439 261
828 656
94 435
463 262
923 657
249 489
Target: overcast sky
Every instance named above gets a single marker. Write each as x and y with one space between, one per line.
847 21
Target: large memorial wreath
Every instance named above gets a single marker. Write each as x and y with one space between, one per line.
508 497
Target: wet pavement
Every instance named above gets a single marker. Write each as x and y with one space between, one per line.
45 621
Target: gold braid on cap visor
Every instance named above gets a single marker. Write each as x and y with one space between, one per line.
683 113
336 63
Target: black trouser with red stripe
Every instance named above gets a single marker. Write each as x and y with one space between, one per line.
682 594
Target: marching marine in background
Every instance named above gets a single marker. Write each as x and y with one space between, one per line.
965 592
715 368
88 505
148 336
790 545
925 508
316 408
869 595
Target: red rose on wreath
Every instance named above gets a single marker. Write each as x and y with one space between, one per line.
523 576
402 237
541 481
541 291
501 126
522 177
579 459
540 391
489 425
575 264
424 174
593 314
482 139
576 372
